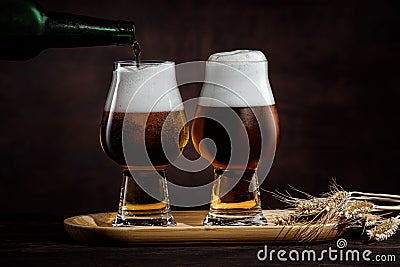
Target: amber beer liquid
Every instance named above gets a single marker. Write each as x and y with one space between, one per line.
237 112
205 127
139 128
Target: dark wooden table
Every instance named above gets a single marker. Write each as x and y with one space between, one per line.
34 240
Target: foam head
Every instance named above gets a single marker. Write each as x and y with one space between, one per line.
238 56
151 87
237 79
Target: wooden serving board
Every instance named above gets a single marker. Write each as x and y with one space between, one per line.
97 228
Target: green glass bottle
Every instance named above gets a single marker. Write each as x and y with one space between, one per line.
26 30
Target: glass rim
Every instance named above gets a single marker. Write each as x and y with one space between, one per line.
125 63
238 61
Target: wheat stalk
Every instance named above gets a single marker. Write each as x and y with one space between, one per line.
341 208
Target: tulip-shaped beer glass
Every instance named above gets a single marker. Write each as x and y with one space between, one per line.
236 129
143 128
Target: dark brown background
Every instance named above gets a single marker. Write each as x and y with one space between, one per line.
334 70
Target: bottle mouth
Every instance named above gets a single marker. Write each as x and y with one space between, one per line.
126 26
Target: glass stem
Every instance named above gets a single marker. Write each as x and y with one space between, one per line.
235 199
144 199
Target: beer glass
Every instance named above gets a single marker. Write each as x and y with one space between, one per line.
236 129
143 129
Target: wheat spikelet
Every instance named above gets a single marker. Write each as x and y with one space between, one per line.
368 220
356 208
329 206
383 231
285 220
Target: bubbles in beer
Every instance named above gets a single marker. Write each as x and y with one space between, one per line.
124 132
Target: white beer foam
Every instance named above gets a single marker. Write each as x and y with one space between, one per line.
238 55
237 79
151 87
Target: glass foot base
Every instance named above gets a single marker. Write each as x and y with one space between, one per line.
166 220
234 219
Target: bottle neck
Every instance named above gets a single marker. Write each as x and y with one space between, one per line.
66 30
